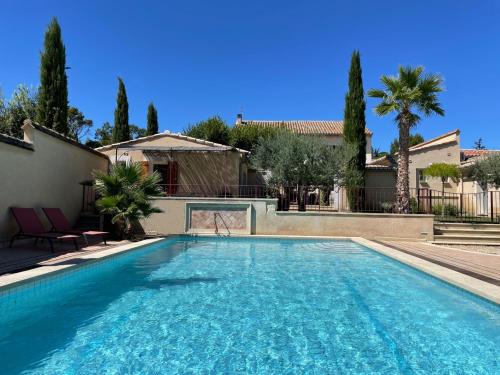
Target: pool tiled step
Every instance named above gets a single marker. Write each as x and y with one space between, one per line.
465 233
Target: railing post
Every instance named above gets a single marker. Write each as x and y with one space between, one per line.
491 207
461 205
430 201
418 201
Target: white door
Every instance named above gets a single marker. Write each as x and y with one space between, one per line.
481 201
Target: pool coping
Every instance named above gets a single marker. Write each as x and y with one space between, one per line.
16 279
475 286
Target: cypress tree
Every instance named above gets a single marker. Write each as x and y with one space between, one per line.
52 110
152 120
354 115
121 130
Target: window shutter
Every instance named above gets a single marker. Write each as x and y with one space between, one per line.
144 168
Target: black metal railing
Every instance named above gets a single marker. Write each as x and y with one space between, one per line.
218 191
460 207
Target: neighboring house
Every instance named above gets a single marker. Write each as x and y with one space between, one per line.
330 131
442 149
185 164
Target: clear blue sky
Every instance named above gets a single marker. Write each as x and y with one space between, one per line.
274 59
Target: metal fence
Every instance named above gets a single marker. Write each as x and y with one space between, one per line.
472 207
459 207
218 191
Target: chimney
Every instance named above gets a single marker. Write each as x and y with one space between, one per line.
29 131
239 118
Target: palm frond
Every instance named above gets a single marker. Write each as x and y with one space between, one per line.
384 108
409 76
110 204
391 83
376 93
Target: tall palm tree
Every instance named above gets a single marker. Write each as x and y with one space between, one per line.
407 94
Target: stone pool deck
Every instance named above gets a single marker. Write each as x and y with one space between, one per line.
482 266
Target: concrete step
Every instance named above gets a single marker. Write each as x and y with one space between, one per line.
468 231
462 238
474 243
475 226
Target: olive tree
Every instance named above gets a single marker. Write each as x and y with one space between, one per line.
300 161
486 171
443 171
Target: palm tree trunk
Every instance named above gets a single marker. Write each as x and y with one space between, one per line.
403 183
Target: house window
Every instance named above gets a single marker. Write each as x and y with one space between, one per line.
168 173
421 176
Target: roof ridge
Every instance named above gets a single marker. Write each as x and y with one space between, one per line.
456 131
486 150
170 134
318 127
246 120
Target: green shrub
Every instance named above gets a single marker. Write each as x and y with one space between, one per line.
387 206
449 210
413 206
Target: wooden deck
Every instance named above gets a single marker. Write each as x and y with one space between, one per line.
485 267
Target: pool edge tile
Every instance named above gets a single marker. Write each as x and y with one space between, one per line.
15 280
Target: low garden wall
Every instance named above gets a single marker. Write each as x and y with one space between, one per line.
259 216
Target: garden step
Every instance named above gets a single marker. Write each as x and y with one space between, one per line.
445 242
455 238
468 231
474 226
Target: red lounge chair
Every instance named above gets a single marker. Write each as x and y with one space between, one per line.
60 224
30 226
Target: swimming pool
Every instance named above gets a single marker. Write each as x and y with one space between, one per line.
245 305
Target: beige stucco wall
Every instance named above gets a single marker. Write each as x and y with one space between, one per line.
265 220
47 176
421 159
336 140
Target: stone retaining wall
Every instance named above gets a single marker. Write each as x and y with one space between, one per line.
259 216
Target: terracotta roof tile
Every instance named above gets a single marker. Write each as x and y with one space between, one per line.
304 126
473 153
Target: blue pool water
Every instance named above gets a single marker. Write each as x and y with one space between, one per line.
257 306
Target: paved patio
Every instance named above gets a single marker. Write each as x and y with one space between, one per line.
482 266
24 255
